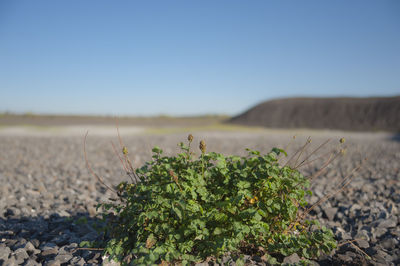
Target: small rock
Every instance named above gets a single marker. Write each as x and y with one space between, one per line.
11 261
63 258
95 258
380 231
388 223
49 252
35 242
330 212
362 243
20 255
11 242
389 243
382 256
87 254
63 213
52 263
4 253
345 257
355 207
363 234
80 261
20 243
48 245
292 259
29 247
31 262
107 262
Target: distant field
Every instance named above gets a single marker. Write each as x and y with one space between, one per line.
70 120
51 125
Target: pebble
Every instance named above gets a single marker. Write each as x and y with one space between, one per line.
20 255
330 212
4 253
292 259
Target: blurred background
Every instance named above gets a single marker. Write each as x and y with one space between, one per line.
275 64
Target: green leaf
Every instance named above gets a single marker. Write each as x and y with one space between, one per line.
177 212
217 231
279 151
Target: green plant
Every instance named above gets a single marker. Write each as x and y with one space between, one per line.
187 209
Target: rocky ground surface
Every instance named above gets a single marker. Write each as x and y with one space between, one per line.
47 195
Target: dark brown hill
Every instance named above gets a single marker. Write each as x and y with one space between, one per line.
366 114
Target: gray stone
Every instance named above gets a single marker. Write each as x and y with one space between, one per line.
49 252
292 259
10 262
382 256
29 246
345 257
20 243
107 262
355 207
80 261
362 243
52 263
95 258
31 262
389 243
35 242
380 231
388 223
48 245
20 255
63 258
4 253
341 234
363 234
330 212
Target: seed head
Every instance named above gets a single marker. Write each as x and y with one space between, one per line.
190 138
124 151
202 146
342 140
343 151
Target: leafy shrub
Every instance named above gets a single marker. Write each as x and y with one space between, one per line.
187 209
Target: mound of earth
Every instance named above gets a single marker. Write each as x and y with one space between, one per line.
358 114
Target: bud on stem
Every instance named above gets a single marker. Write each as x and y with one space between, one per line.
202 146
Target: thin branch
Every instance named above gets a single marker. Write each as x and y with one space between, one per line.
313 152
90 168
303 149
299 150
95 249
351 242
315 159
320 171
119 157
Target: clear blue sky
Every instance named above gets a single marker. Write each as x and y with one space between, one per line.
192 57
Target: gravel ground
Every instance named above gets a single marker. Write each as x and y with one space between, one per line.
46 190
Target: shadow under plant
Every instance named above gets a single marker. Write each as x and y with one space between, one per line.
48 241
